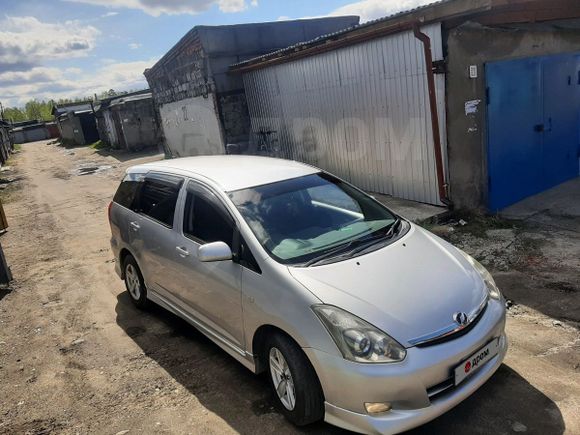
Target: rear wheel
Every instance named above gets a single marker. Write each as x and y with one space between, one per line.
134 282
293 381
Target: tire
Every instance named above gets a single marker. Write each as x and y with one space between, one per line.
308 404
134 282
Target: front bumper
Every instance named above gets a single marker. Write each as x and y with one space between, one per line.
410 386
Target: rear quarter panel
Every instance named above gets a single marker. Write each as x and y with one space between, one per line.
120 235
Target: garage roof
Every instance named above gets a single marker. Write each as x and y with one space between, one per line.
344 33
451 12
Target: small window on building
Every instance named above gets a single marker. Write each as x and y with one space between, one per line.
158 197
127 190
205 221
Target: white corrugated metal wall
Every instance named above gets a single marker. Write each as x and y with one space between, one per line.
361 112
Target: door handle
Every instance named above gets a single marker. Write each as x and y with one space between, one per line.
182 251
135 226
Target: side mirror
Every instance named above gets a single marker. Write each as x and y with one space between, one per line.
214 251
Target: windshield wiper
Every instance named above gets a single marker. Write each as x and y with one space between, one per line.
365 241
330 253
392 229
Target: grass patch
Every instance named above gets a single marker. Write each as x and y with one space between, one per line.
99 145
477 224
11 193
17 147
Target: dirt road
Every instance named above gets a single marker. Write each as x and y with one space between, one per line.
76 357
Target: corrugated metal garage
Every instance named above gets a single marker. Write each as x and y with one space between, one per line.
361 111
407 113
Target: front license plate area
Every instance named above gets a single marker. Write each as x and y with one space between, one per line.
476 361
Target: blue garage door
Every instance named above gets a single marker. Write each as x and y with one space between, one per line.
533 120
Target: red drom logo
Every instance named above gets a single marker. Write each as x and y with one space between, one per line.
467 366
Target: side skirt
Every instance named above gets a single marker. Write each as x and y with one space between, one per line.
245 358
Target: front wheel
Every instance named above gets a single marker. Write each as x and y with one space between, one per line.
294 381
134 282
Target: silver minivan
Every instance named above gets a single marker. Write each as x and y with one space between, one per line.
356 315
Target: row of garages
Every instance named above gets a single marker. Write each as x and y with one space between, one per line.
469 102
32 131
125 121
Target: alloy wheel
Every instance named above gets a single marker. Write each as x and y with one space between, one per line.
282 379
133 283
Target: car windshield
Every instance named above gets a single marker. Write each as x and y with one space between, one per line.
300 219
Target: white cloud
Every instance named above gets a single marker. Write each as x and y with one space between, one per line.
26 41
109 14
16 88
73 70
33 75
134 45
254 3
373 9
230 6
173 7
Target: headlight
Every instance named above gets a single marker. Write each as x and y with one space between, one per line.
358 340
485 275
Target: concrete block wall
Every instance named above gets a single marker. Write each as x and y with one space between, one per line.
234 116
139 126
71 130
183 74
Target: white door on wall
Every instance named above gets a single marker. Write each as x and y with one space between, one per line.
191 127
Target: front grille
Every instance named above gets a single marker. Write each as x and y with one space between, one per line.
457 334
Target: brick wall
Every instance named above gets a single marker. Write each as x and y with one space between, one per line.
234 116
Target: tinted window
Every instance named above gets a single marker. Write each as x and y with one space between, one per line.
205 220
158 197
127 190
302 218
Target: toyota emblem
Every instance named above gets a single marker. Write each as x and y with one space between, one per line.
460 318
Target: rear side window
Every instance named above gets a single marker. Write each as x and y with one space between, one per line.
127 191
158 197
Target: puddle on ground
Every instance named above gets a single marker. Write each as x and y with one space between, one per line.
88 169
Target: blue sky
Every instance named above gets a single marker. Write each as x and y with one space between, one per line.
71 48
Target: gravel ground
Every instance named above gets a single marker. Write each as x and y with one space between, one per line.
76 357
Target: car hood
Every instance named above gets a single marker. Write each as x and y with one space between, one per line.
407 289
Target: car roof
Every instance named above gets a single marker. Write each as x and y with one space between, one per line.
232 172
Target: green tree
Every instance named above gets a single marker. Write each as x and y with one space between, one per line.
33 109
14 114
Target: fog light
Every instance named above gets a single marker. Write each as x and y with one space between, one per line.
378 407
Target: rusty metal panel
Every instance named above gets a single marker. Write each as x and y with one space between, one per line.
361 111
